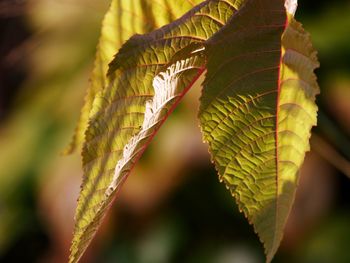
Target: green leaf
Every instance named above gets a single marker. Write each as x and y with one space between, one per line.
146 80
123 19
257 110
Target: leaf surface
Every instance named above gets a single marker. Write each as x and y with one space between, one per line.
257 107
146 80
257 110
123 19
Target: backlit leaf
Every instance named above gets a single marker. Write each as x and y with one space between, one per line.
146 80
257 110
257 107
124 19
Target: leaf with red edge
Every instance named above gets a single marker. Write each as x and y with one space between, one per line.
123 19
257 110
146 80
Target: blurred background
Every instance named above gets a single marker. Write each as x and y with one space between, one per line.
172 208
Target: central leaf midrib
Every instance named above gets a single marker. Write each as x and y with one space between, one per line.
276 235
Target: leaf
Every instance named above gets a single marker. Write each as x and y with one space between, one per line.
257 110
147 79
123 19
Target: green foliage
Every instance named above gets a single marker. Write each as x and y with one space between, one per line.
257 105
257 110
123 19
